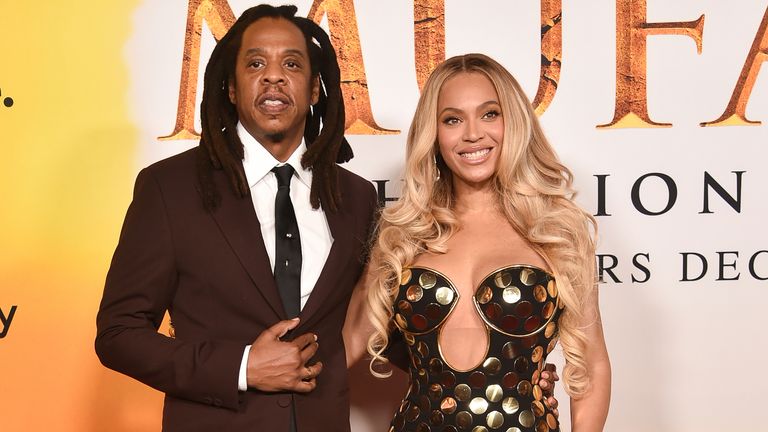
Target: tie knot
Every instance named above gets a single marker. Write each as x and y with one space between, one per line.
284 174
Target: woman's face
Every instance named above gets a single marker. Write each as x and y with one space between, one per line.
470 128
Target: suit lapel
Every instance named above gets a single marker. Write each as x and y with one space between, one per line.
239 224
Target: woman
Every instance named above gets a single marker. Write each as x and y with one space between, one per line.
483 264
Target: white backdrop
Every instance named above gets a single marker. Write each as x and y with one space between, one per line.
685 354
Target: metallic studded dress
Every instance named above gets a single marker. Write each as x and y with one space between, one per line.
520 308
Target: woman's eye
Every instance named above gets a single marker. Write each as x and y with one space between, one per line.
450 121
491 114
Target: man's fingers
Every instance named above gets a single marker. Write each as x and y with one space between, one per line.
304 340
280 328
308 352
305 386
550 367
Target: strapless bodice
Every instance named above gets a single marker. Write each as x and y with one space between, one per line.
519 307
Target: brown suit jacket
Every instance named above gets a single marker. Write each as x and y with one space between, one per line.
211 272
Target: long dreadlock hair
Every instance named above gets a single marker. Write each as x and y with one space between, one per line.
221 148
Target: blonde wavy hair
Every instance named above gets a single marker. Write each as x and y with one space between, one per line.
534 190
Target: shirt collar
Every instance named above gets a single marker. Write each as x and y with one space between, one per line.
258 162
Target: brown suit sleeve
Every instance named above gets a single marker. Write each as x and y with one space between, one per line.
140 287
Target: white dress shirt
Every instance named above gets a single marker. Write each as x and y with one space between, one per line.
314 233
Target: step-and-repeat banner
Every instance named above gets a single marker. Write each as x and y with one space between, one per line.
660 109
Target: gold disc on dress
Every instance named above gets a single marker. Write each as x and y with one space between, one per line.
405 276
444 295
494 393
527 276
478 405
510 405
427 280
526 418
502 279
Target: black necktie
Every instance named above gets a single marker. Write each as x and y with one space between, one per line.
287 244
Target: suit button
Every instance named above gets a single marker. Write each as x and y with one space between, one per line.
284 400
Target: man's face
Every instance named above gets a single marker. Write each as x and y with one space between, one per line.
273 86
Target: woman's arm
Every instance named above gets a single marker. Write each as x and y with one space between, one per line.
357 326
589 412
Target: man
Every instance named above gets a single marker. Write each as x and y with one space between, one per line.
252 242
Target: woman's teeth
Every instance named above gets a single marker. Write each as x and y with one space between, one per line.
475 154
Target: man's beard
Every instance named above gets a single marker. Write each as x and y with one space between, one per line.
276 137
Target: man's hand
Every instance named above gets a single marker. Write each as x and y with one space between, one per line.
275 365
547 383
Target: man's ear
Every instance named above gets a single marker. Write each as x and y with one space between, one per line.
315 89
232 92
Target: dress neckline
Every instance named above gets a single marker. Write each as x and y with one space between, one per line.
476 286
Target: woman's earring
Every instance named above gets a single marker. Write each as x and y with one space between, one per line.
437 168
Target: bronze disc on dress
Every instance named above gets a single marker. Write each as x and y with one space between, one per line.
437 418
549 330
412 414
532 323
423 427
435 366
523 309
527 276
477 379
444 295
552 288
538 353
509 351
432 311
492 365
409 339
401 322
478 405
435 391
493 311
536 376
521 365
450 428
479 429
427 280
541 426
494 419
524 388
494 393
538 408
526 418
405 276
510 323
414 293
464 420
405 308
448 405
551 421
548 310
510 380
551 345
511 294
514 429
447 379
419 321
537 393
540 293
502 279
462 392
510 405
484 295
